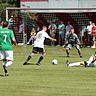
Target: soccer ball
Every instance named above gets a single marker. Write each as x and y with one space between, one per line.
54 61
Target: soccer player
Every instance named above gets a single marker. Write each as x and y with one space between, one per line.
1 24
90 63
39 45
72 40
6 49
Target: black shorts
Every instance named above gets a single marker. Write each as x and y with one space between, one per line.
37 49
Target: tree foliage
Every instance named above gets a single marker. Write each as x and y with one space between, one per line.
3 5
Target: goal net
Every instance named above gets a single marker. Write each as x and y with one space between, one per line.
24 19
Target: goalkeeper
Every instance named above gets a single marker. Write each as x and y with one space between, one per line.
72 40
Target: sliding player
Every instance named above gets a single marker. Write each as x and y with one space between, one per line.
90 63
39 45
6 49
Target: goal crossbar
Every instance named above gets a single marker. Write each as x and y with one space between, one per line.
51 10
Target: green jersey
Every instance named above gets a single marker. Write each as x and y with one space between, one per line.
6 35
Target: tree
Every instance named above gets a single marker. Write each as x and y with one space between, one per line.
7 3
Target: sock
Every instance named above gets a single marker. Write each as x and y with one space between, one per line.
5 70
93 61
40 59
67 52
79 52
29 57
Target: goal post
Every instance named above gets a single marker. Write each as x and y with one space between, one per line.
34 17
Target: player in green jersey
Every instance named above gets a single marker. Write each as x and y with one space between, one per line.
6 48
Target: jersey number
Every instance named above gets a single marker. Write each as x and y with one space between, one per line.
5 37
39 35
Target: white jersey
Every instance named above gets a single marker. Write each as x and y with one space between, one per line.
40 37
90 64
89 29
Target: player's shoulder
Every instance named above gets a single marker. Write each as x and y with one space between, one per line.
75 34
39 32
6 29
10 31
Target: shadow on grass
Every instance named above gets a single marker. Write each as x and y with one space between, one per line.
1 75
63 56
30 64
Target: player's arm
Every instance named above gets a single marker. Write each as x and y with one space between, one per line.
14 41
13 38
52 39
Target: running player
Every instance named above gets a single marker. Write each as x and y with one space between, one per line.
72 40
1 24
39 45
6 49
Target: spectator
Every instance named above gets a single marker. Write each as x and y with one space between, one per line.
82 32
94 35
10 21
33 35
1 24
89 32
61 31
52 28
21 27
68 27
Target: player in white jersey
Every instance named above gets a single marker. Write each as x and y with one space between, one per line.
90 63
39 45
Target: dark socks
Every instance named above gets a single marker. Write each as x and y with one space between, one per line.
29 57
5 70
67 53
40 59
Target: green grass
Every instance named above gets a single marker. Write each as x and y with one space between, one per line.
48 79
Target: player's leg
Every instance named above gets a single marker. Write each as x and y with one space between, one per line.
3 57
42 52
75 64
35 50
7 57
79 51
69 46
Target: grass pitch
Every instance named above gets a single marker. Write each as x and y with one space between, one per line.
48 79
